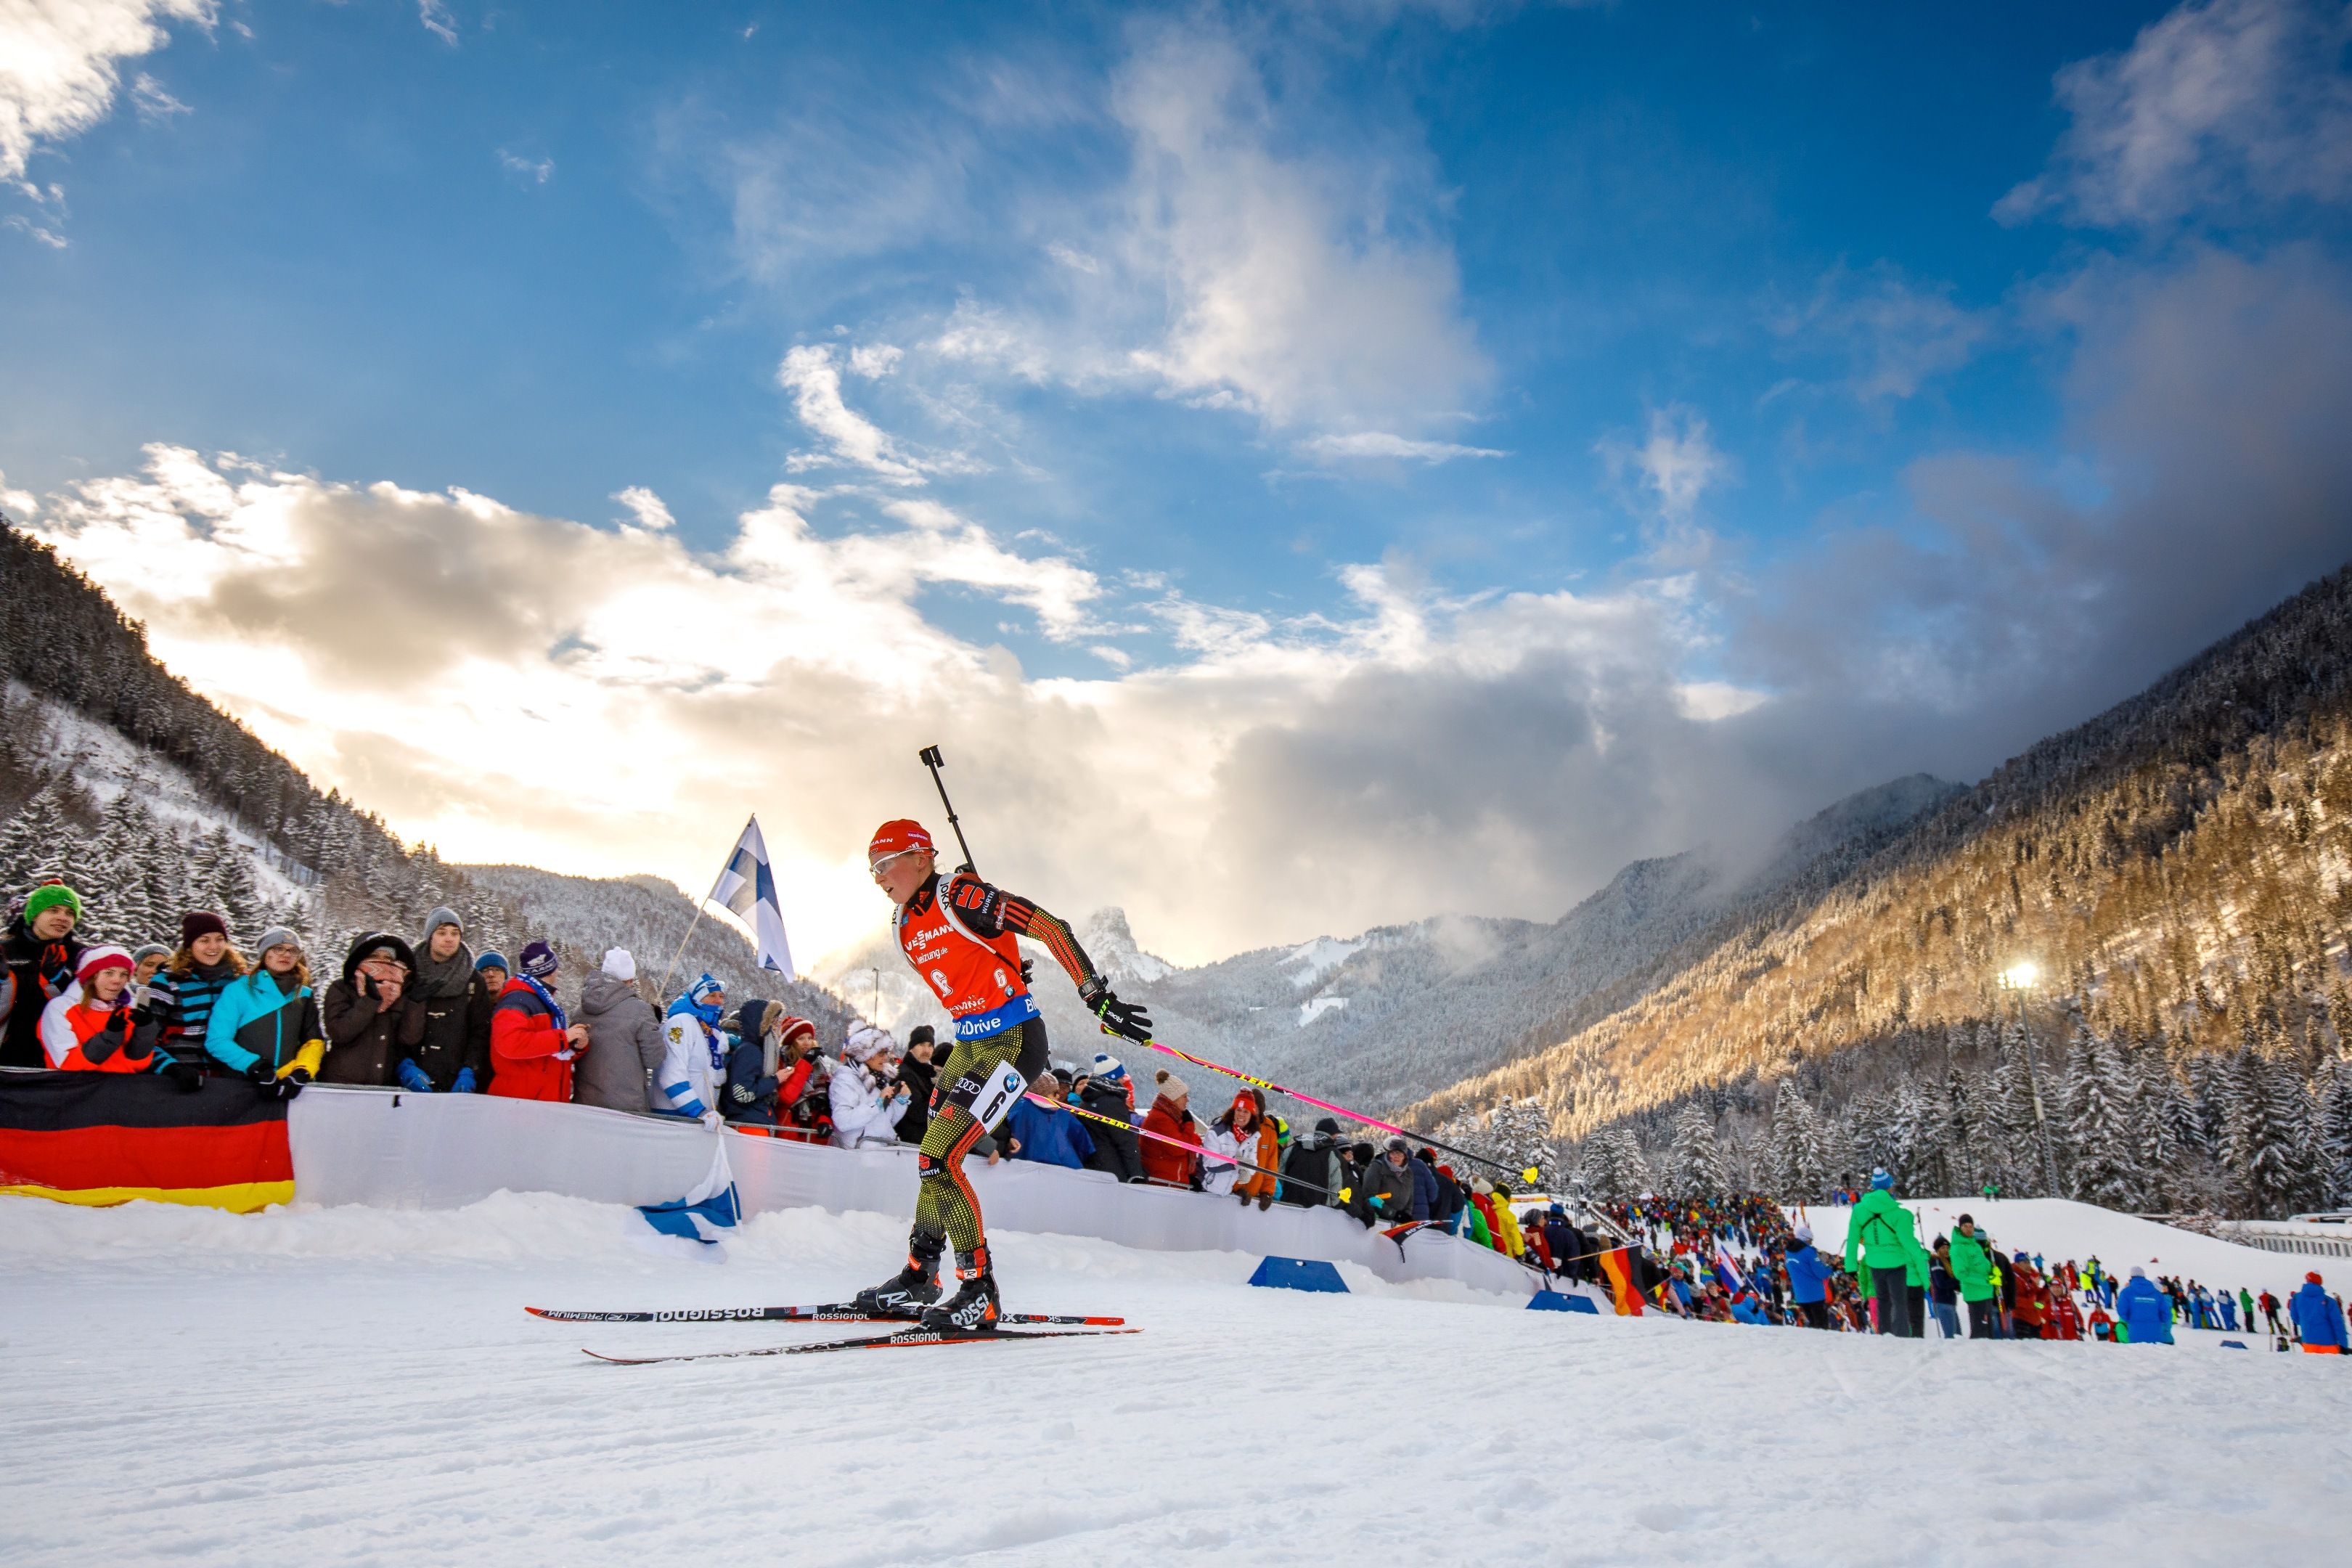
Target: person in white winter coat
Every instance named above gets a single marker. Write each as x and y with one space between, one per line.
865 1110
694 1054
1218 1176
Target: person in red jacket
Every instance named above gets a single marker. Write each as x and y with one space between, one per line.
1171 1115
533 1043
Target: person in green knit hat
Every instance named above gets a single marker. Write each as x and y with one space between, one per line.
41 953
1882 1237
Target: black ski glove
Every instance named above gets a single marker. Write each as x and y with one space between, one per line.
1126 1020
186 1077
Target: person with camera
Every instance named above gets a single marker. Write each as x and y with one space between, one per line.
867 1100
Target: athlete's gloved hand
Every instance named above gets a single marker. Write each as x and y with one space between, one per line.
186 1075
713 1120
464 1084
264 1076
1126 1020
412 1078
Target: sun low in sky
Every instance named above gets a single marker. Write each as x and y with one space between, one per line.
1310 465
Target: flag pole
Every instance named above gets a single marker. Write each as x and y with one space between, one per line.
699 906
663 990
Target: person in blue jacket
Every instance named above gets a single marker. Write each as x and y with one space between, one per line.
2145 1309
2318 1319
1047 1134
1809 1279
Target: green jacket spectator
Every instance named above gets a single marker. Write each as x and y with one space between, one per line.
1883 1233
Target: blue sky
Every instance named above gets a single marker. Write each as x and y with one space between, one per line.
1811 374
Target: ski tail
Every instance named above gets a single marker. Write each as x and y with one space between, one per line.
902 1339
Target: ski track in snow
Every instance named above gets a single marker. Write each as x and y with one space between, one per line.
363 1386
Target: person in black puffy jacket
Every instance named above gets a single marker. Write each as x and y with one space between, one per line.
1108 1093
1309 1171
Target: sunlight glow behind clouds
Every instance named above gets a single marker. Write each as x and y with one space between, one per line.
517 687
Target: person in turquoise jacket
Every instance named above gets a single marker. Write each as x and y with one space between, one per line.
2144 1310
1883 1237
265 1024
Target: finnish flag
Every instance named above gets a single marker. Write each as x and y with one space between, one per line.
746 888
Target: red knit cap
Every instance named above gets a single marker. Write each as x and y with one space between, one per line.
99 958
896 838
793 1026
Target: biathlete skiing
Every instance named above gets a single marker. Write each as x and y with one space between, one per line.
962 937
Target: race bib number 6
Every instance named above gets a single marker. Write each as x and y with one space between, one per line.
997 1095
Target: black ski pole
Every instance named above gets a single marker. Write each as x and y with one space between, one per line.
932 760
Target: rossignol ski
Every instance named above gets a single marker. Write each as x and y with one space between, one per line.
871 1342
827 1312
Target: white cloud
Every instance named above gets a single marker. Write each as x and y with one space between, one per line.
1292 280
811 374
538 170
2215 106
1675 463
153 101
1893 335
435 14
17 504
58 66
1250 258
41 231
646 507
875 361
1376 444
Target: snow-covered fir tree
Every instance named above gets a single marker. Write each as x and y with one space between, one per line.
1695 1165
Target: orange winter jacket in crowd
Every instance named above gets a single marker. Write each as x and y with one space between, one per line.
69 1024
1164 1162
1261 1146
528 1054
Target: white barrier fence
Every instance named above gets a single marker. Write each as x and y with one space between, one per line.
390 1149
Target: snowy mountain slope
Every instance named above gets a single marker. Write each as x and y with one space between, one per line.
583 916
1428 1002
2175 868
425 1419
106 762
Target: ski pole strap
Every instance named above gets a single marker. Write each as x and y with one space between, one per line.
1163 1138
1528 1176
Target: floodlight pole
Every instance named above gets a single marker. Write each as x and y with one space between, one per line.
2033 1082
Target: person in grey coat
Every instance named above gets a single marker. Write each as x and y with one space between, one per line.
624 1039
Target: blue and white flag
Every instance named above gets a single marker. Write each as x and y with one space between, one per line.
1726 1268
746 888
706 1212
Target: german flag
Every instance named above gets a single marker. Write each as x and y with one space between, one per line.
1618 1265
103 1138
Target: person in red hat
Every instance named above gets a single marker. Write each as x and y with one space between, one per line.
962 937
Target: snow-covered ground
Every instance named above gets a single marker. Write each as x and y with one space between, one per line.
355 1385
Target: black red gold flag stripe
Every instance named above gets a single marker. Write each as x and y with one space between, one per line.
108 1138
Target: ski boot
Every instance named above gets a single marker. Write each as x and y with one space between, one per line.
913 1289
974 1309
